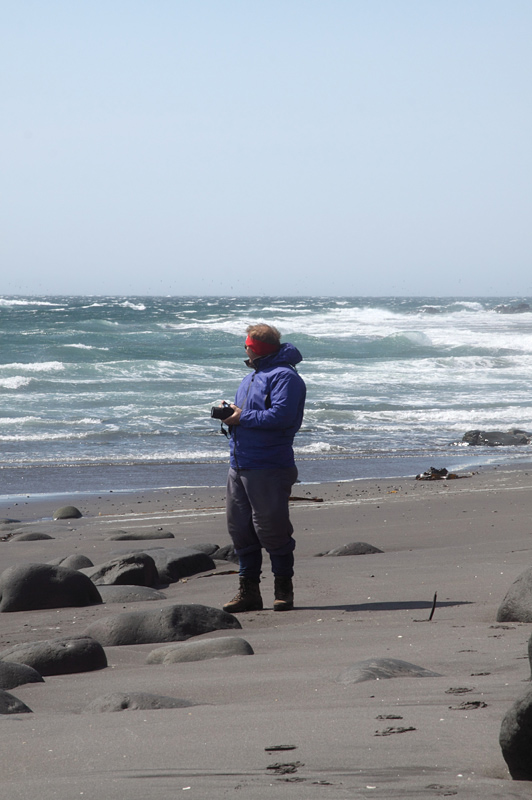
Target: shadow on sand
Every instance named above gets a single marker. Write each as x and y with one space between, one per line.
400 605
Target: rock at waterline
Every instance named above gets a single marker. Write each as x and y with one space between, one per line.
170 624
67 512
513 437
29 587
512 308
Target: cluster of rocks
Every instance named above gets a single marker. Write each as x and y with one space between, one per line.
512 308
139 574
74 581
512 437
434 474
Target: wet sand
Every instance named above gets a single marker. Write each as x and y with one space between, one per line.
466 540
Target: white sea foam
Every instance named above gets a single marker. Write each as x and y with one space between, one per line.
86 347
42 437
18 420
470 305
317 448
417 338
11 301
135 306
16 382
38 366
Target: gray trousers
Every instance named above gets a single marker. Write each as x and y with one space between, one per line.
258 517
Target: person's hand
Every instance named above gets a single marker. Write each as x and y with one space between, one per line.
234 419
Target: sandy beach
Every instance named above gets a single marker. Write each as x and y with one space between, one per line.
466 540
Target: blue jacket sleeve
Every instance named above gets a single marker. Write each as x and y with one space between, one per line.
286 395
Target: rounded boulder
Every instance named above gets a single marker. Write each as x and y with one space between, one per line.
169 624
67 512
61 656
29 587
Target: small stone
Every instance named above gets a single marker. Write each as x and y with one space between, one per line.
135 701
12 705
67 512
382 668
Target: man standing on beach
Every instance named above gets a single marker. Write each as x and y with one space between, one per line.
267 413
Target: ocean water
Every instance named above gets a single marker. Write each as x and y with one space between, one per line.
115 392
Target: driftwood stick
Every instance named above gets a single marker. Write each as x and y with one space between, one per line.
433 606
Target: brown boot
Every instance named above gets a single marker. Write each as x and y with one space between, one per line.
284 594
247 598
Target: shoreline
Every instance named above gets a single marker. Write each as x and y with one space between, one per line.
198 498
59 480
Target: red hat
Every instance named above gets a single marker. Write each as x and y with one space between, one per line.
261 348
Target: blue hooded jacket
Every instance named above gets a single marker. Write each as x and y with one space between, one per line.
272 399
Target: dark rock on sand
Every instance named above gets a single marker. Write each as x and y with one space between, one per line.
206 547
30 536
514 436
11 705
9 521
133 569
135 701
129 594
61 656
125 536
352 549
32 586
515 738
12 675
517 604
76 561
435 474
382 668
200 651
226 553
67 512
170 624
179 563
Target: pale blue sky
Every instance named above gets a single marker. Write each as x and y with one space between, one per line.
345 147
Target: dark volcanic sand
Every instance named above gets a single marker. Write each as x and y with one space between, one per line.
467 540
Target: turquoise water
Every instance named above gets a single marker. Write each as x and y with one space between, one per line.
126 384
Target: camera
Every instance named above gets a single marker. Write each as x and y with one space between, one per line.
221 412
